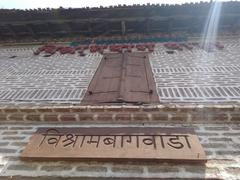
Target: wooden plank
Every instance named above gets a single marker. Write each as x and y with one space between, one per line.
115 144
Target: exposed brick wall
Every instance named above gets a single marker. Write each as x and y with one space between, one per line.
185 76
220 142
196 75
28 78
160 113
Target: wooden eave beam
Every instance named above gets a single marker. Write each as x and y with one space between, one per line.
155 18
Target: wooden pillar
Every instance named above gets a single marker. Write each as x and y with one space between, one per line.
170 26
11 30
49 29
30 29
147 26
90 30
123 25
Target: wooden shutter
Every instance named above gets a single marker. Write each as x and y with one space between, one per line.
139 82
125 77
105 85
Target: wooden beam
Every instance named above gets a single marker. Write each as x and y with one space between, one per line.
156 18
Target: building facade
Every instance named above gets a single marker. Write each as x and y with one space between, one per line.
49 58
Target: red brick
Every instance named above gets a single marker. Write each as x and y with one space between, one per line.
164 169
21 128
214 145
44 110
113 109
33 117
201 169
27 110
22 167
21 144
221 161
9 133
140 116
208 109
199 117
236 128
217 117
27 132
79 109
131 109
16 138
97 109
169 109
10 110
232 153
206 134
179 117
86 117
217 128
231 134
150 109
3 117
159 117
91 168
235 117
56 168
50 117
4 144
105 117
16 117
186 109
127 169
234 170
224 108
123 117
61 110
68 117
5 150
223 139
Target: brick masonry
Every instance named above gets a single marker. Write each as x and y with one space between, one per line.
185 76
36 79
171 113
220 142
196 75
36 91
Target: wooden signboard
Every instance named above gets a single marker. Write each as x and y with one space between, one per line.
165 144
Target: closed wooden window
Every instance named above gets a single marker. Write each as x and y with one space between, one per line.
123 78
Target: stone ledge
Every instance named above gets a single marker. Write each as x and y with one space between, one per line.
153 113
